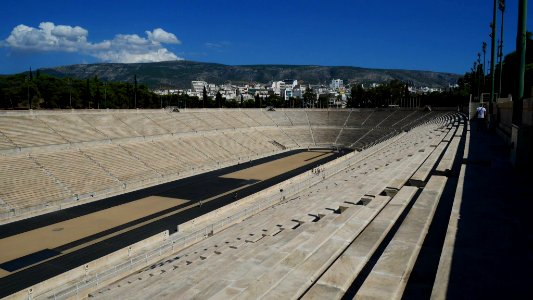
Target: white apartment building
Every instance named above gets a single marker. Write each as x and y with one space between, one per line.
277 87
198 86
336 84
211 87
228 93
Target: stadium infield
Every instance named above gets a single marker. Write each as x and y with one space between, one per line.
44 246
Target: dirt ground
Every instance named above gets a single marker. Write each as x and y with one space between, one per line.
71 230
280 166
62 233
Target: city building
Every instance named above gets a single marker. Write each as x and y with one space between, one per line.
336 84
198 86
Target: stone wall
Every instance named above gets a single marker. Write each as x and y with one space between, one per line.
519 138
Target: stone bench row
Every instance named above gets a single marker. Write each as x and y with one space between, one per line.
75 172
390 274
305 220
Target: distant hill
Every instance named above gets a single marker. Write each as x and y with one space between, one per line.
179 74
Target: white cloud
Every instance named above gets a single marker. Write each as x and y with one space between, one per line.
69 32
161 36
47 37
136 56
124 48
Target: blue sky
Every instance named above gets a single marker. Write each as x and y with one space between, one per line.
436 35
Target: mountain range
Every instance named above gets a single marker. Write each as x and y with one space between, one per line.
179 74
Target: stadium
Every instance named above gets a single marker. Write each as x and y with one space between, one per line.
236 203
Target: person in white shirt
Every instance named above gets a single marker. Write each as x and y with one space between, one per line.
480 116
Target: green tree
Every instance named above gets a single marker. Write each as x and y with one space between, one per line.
218 99
87 95
309 97
232 103
323 101
135 90
249 103
357 96
204 97
97 94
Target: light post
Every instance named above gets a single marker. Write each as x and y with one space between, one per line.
501 6
484 48
492 60
521 56
482 77
476 80
519 152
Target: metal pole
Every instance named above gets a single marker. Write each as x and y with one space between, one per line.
492 60
502 9
484 48
521 54
481 74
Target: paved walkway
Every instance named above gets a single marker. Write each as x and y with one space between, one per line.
493 254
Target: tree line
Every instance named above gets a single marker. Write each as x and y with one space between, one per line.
43 91
396 92
26 90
